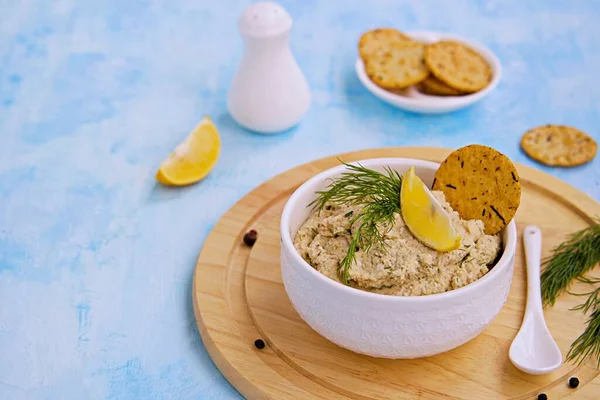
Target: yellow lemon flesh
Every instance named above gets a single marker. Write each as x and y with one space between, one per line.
193 159
424 216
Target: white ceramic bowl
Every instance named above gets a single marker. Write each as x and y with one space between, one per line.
381 325
415 101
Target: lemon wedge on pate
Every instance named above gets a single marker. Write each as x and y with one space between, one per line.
424 216
194 158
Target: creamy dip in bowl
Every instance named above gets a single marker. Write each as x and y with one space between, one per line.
374 322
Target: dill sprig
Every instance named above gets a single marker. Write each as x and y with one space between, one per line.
570 260
593 300
588 343
377 196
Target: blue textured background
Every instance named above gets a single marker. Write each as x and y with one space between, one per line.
96 260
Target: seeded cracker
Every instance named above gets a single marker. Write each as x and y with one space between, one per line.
377 40
400 66
480 183
558 145
458 66
434 87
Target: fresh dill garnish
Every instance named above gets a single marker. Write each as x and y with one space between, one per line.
570 261
588 343
593 300
377 197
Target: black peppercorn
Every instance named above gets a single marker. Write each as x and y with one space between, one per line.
573 382
250 237
542 396
259 344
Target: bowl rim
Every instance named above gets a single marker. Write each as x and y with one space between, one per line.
509 247
436 102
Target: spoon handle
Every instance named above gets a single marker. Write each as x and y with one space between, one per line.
532 238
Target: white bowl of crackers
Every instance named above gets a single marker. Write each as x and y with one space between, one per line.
426 72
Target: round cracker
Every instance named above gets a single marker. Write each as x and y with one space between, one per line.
400 66
458 66
377 40
435 87
480 183
559 145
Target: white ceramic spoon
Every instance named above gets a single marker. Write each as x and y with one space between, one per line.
534 350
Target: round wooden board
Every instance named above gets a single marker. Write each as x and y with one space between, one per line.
239 297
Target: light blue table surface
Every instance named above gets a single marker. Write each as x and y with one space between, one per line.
96 260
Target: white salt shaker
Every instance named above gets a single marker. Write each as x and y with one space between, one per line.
269 92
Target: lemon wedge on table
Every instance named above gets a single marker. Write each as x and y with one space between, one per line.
194 158
424 216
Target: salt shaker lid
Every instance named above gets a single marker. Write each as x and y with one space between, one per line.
264 19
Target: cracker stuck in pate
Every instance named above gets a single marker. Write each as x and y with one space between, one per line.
403 266
479 182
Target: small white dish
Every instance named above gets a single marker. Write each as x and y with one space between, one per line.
415 101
